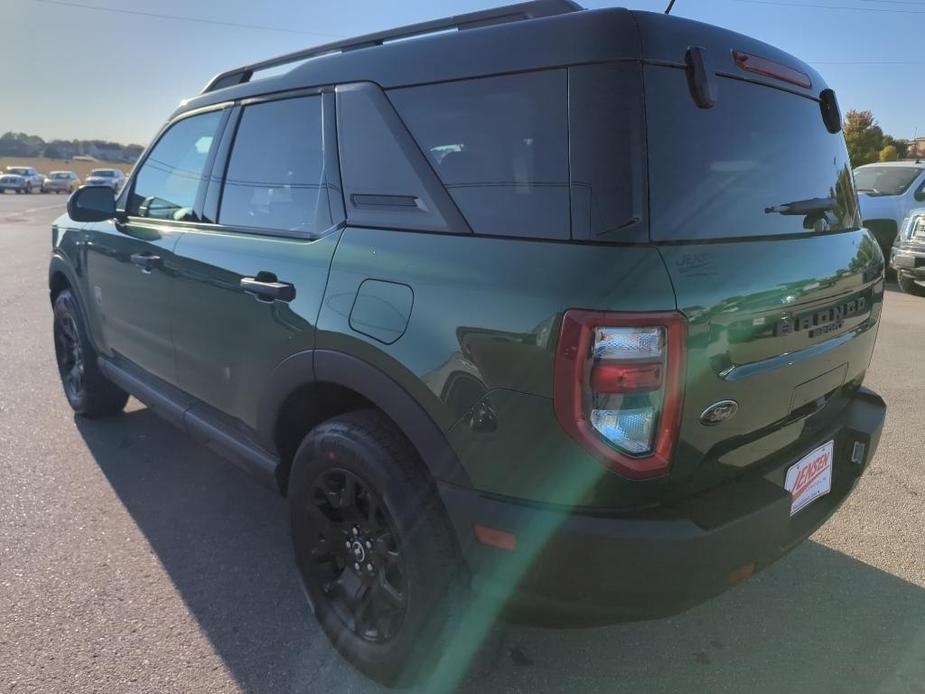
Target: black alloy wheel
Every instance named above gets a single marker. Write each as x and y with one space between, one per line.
88 391
374 546
358 555
69 355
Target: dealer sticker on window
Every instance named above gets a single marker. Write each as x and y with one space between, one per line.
810 477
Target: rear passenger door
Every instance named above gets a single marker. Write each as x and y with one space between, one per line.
250 278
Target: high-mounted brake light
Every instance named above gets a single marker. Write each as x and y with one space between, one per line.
768 68
619 386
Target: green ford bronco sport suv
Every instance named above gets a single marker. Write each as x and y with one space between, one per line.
565 311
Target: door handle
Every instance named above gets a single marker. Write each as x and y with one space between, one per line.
267 287
145 261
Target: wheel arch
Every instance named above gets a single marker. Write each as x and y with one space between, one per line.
60 276
312 386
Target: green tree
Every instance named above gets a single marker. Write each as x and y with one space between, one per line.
902 146
863 137
889 153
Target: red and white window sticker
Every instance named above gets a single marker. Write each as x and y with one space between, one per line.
810 477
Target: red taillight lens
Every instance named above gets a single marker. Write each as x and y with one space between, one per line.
626 378
768 68
619 385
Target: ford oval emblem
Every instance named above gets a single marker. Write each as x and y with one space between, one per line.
719 412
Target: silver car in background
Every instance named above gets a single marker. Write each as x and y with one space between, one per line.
114 178
61 182
22 179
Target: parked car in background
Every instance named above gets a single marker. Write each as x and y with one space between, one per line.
523 310
908 253
887 192
61 182
114 178
22 179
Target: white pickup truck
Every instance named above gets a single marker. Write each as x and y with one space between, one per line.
887 192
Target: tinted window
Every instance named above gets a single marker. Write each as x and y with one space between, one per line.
885 180
500 146
169 179
276 175
731 170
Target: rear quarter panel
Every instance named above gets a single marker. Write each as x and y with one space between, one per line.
478 350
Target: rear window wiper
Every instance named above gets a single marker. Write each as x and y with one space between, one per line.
803 207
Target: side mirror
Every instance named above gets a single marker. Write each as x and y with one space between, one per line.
92 204
920 194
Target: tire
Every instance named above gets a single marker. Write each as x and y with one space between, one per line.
910 286
28 189
389 616
89 393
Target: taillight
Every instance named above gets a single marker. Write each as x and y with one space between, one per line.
619 386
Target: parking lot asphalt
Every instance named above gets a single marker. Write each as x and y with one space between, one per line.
134 560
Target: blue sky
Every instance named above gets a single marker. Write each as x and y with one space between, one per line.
85 73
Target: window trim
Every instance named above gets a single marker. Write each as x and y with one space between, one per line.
211 218
129 188
635 230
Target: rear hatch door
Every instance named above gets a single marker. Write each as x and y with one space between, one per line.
754 211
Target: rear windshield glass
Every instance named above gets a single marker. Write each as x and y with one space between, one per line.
102 172
759 163
885 180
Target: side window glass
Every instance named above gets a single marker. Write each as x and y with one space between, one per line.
500 146
170 177
276 177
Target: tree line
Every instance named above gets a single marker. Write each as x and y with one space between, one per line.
25 145
867 143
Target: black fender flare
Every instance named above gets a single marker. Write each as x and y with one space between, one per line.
339 368
60 266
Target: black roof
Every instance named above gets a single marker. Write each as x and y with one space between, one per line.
527 36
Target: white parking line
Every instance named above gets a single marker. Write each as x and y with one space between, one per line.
38 209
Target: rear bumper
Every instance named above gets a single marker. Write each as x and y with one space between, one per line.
909 261
572 569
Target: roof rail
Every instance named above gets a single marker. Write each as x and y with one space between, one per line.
472 20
